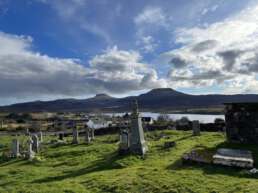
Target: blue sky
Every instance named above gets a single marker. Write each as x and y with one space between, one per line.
53 49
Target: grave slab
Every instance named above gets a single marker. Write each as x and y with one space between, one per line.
234 158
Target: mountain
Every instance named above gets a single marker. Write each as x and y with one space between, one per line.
162 99
160 92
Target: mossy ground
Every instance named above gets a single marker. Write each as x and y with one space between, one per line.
97 168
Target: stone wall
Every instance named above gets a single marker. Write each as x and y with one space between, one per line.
242 122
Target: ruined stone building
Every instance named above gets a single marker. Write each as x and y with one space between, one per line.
242 122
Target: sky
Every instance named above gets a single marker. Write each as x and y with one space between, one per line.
52 49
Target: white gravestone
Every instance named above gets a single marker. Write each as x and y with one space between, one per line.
31 153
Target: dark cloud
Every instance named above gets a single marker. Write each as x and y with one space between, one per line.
178 62
205 45
229 58
201 76
250 65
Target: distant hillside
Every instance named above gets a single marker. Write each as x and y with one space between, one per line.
163 99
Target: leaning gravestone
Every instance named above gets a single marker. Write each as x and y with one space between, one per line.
75 136
87 135
15 148
196 128
31 153
35 143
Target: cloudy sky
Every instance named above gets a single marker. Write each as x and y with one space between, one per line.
53 49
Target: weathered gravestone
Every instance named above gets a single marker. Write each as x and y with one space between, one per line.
92 133
35 143
40 136
198 156
196 128
87 135
75 136
27 132
61 136
124 142
15 148
31 153
137 143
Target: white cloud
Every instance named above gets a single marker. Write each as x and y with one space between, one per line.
147 44
151 16
223 54
25 73
66 9
74 12
205 11
149 22
122 71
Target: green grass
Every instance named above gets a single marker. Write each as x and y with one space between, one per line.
97 168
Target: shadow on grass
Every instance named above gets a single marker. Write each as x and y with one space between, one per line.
66 154
211 169
6 184
9 162
67 144
162 148
106 163
184 138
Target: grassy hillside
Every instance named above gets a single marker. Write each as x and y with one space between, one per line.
98 168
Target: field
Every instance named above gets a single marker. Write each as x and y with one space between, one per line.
97 168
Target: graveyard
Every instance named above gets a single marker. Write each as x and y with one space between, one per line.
132 160
111 96
97 166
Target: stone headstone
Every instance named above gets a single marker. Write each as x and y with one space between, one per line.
124 142
16 148
75 136
40 136
197 156
196 128
137 143
27 132
87 135
61 136
92 133
35 143
31 153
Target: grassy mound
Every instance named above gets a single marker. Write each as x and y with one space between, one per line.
97 168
